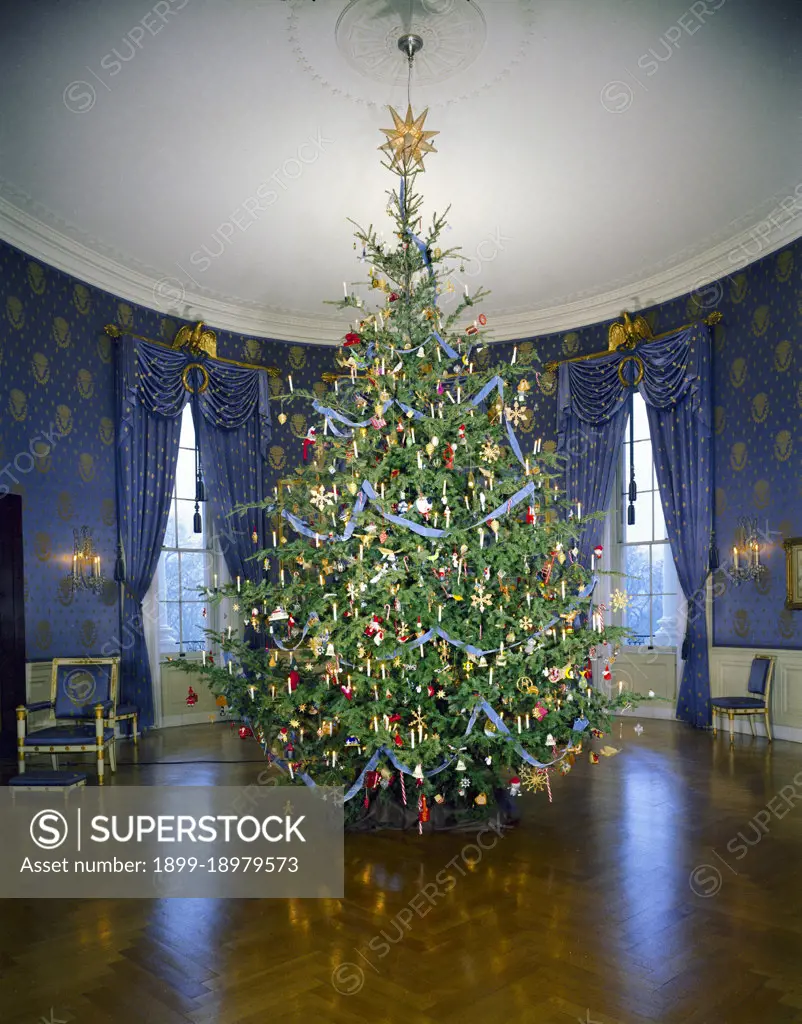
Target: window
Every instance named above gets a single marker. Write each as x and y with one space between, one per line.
655 600
187 560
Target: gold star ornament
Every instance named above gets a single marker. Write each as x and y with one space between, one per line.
407 142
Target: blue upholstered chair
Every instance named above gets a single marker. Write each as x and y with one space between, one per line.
83 695
758 701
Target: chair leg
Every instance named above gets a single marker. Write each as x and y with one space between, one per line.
99 726
768 727
752 724
715 721
134 724
113 755
732 725
54 762
21 740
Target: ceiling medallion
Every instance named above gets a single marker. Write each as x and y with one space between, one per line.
452 36
465 48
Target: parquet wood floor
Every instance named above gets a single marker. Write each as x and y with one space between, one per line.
620 903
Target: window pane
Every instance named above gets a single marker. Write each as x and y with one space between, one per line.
169 625
187 439
641 419
169 537
192 626
193 565
168 576
185 475
636 618
636 567
186 515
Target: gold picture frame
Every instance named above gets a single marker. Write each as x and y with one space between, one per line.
793 573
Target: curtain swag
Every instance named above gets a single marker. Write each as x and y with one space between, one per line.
162 380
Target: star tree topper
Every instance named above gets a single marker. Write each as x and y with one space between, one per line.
407 141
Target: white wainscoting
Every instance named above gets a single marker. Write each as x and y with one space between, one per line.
641 670
729 673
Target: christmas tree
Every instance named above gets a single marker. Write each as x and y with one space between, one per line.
424 640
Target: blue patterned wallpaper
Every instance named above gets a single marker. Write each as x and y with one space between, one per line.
56 381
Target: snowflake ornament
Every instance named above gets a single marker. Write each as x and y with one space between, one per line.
480 599
320 497
619 600
526 624
533 779
516 414
490 452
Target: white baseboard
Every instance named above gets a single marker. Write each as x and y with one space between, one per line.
192 718
649 711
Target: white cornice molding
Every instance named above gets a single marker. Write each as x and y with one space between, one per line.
43 242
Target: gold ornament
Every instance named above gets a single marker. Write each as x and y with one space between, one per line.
619 600
526 685
407 142
533 779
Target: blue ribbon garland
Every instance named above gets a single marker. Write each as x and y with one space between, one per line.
482 706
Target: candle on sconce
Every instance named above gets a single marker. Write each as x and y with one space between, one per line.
289 381
735 556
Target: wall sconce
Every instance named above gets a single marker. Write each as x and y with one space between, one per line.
746 558
86 574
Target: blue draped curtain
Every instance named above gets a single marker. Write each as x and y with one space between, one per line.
673 375
232 405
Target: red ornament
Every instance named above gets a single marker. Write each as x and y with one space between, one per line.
423 810
372 780
597 551
530 515
431 690
482 319
351 339
394 718
192 698
448 456
393 297
398 741
540 712
349 693
295 678
309 442
607 675
245 732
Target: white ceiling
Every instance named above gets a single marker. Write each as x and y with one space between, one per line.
597 154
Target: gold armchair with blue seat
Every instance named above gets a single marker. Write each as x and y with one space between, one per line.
83 696
758 701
